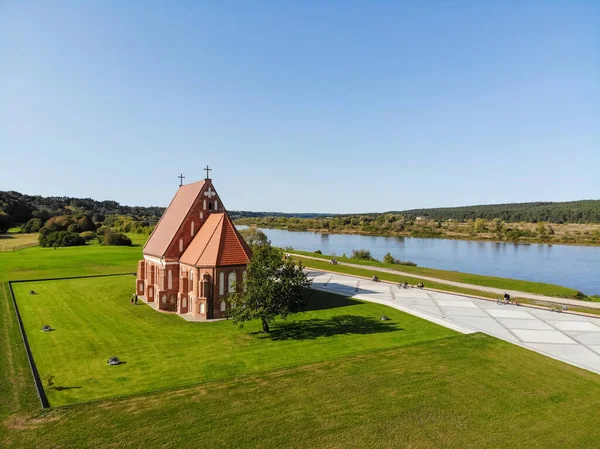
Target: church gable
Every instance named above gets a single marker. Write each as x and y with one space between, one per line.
182 220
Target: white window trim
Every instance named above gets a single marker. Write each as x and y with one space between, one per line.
221 283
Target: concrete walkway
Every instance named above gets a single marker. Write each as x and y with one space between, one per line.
569 338
498 291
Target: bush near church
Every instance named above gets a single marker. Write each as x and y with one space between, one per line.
60 238
113 238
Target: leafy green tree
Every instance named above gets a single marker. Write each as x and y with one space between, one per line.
479 225
6 222
274 287
33 225
254 237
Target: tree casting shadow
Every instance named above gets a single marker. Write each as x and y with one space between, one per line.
337 325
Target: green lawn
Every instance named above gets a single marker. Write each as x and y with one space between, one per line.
94 320
37 263
465 391
467 278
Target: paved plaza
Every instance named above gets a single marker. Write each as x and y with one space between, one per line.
570 338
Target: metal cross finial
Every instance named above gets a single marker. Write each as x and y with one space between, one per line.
207 170
181 179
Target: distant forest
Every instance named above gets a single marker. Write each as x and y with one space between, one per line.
17 208
585 211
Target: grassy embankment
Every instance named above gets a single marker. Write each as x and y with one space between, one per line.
454 393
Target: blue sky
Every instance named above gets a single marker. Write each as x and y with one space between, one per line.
302 106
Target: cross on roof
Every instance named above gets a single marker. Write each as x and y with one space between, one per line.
207 170
181 179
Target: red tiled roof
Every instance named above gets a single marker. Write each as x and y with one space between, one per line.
217 243
171 220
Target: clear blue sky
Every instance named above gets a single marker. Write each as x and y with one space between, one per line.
302 106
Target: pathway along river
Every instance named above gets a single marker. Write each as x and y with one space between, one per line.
571 266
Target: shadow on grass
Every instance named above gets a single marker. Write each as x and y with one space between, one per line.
64 388
318 300
337 325
6 236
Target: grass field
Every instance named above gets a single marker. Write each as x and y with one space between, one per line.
15 242
466 391
94 320
467 278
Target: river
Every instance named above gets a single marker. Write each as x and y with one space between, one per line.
571 266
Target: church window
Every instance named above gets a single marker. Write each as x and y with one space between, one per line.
216 205
210 206
201 307
180 245
150 292
170 279
222 284
204 205
142 288
184 303
201 215
192 229
223 306
191 275
232 280
163 300
244 277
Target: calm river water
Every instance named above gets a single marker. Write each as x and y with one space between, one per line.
572 266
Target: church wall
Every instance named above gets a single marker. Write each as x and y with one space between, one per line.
220 295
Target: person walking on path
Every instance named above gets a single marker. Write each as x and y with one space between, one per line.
136 298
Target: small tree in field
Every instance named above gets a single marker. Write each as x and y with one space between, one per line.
273 288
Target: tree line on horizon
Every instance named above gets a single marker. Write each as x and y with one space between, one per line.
17 208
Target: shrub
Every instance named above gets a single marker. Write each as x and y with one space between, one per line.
318 251
74 227
60 238
389 259
88 235
33 225
362 254
112 238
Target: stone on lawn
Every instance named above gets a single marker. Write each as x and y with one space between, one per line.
384 318
114 361
46 328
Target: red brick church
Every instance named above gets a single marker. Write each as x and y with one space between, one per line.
194 256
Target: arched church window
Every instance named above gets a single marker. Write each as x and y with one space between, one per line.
204 205
170 279
184 303
216 205
231 279
223 306
210 206
202 215
192 229
201 307
191 275
222 283
180 245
